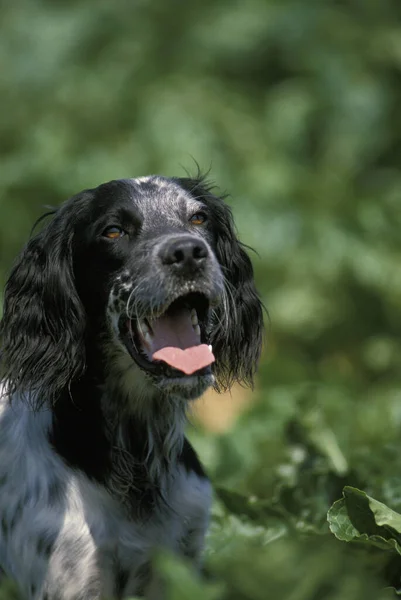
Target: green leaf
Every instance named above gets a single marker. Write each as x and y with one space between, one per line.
385 516
359 518
339 522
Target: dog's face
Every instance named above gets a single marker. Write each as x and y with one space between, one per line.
150 281
146 273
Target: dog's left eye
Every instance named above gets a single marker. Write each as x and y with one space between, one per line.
198 218
113 232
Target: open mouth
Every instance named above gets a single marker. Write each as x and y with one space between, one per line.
173 343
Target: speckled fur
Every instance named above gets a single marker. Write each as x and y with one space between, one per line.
95 471
64 536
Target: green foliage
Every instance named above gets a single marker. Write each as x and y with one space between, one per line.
357 517
295 106
182 582
8 591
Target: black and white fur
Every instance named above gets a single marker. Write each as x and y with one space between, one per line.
95 471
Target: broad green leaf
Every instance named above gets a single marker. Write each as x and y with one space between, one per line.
339 522
385 516
359 518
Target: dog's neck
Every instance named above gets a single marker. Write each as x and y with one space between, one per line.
152 431
116 435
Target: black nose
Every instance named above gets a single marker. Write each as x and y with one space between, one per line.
185 253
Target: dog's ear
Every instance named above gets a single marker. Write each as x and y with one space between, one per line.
42 330
237 333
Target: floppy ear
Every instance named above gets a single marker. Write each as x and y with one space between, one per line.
238 325
42 330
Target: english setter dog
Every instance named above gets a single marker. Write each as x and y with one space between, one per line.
134 299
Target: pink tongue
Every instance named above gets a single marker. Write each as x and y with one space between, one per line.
175 342
189 360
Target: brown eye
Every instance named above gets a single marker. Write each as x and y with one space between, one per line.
198 219
113 233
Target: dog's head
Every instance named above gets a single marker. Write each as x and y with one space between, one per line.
146 274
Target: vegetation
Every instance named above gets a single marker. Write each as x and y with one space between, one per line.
294 104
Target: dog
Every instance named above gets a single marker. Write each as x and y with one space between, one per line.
132 300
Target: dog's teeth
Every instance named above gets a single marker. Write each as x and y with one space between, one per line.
210 348
147 338
143 327
197 330
194 317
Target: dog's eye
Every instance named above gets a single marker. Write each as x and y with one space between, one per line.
113 232
198 218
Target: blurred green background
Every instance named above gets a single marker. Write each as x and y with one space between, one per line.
294 105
